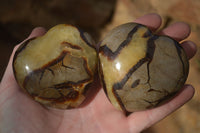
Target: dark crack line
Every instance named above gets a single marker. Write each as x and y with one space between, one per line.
178 47
82 35
150 90
41 76
67 44
66 66
151 102
135 83
112 55
52 72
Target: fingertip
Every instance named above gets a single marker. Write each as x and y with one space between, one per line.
185 28
152 20
190 48
38 31
189 90
178 31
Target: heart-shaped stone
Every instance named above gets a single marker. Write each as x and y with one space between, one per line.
57 69
138 69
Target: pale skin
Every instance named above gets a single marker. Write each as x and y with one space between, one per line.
20 114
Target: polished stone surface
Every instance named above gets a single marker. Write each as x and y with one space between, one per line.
57 69
140 70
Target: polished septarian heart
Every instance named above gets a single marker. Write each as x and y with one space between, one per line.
138 69
58 68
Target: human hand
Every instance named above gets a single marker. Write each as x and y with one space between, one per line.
20 114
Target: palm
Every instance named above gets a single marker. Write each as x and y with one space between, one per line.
99 115
19 113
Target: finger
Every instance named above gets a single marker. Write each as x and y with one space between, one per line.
153 21
38 31
8 77
190 48
178 31
144 119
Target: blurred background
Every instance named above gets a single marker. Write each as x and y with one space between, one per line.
18 18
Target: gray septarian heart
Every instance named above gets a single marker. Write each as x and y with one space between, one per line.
140 70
